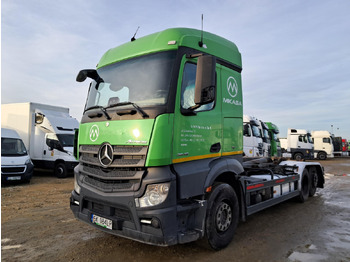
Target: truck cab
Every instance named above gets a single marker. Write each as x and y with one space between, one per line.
298 144
275 142
323 145
264 131
252 140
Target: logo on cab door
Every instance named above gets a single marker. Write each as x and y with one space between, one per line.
232 86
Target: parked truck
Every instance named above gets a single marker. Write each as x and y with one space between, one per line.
337 145
275 142
252 140
298 145
15 161
160 144
264 131
47 132
323 146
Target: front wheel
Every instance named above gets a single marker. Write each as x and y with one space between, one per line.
60 170
322 156
298 156
222 216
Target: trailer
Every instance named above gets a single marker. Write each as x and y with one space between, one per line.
161 157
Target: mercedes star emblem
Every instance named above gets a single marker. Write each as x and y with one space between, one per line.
105 155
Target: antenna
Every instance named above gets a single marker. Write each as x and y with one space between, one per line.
200 43
133 38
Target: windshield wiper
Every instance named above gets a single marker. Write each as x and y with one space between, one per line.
103 109
139 109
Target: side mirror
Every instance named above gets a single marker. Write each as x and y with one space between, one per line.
205 80
91 73
39 118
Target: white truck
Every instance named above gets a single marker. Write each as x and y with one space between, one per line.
15 161
47 132
264 130
252 141
323 145
298 144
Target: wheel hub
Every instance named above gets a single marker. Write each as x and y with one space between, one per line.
223 217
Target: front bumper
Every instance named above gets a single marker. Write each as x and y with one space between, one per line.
17 176
169 223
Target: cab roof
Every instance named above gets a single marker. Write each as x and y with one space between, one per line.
172 39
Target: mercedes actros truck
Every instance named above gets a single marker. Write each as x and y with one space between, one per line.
160 144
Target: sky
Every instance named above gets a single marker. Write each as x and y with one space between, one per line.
295 54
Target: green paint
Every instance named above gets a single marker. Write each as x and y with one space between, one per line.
275 143
177 136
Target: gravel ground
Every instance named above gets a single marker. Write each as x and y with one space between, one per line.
37 225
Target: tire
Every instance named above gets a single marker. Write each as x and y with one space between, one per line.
322 156
222 216
298 156
60 170
305 187
313 180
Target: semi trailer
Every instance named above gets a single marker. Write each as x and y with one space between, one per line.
160 144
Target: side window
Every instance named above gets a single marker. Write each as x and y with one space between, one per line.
300 138
326 140
246 130
187 89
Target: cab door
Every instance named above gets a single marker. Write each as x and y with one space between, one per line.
197 132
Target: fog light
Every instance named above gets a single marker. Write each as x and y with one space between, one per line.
155 222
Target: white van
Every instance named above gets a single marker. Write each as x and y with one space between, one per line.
15 161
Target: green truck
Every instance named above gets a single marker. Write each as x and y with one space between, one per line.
275 142
160 144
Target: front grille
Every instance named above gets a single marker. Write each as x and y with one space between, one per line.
13 170
124 173
117 212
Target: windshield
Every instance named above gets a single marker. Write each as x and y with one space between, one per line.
12 147
144 81
309 138
66 140
256 131
266 134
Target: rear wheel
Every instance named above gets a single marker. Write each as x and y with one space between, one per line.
222 216
60 170
305 187
313 180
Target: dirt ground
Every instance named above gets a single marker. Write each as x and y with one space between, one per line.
38 225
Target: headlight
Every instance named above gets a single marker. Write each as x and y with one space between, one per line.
28 161
155 194
76 185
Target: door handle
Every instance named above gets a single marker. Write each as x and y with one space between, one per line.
215 148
